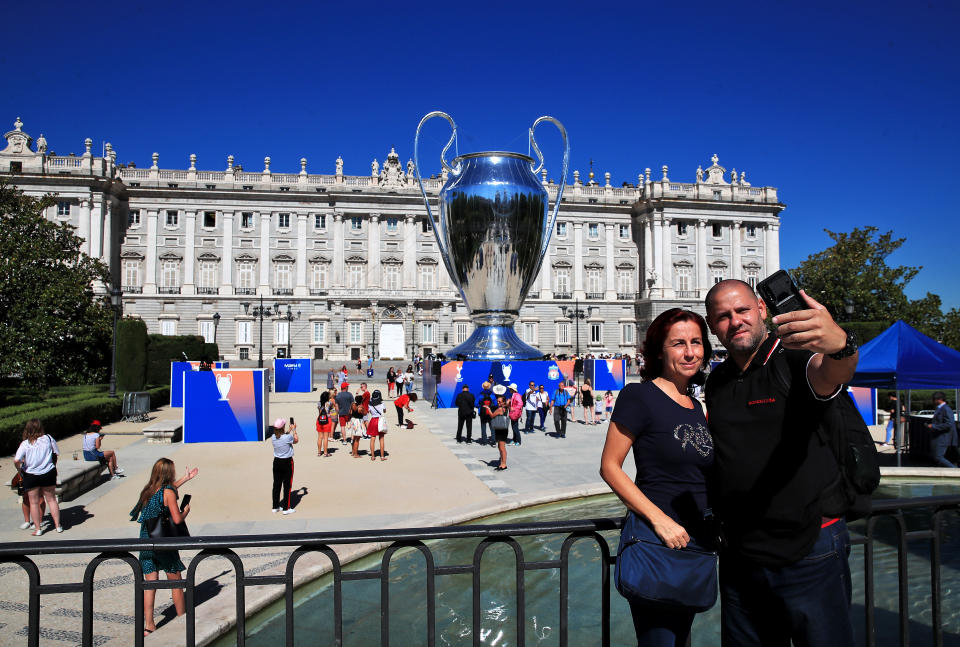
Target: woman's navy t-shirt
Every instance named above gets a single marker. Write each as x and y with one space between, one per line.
672 448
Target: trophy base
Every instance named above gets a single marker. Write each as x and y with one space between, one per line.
493 343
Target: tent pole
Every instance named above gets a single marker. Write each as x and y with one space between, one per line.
897 428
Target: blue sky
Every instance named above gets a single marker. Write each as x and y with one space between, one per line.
849 108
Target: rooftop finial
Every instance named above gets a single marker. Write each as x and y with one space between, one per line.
18 125
714 159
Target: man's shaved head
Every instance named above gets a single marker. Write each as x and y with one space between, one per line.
725 285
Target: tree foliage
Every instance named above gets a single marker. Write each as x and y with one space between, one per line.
53 328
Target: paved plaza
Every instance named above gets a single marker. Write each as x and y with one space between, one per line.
428 480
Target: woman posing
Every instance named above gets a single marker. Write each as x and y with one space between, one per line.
500 423
376 426
357 429
586 400
391 377
36 458
161 492
283 464
324 429
673 451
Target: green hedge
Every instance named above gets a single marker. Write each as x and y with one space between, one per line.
866 330
163 349
131 355
66 419
211 352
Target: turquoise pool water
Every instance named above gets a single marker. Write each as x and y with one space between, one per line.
361 599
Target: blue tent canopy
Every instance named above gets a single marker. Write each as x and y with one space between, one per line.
904 358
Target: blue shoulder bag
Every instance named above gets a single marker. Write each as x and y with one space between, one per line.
647 571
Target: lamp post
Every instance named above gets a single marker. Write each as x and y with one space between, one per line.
290 317
576 314
259 312
116 302
848 306
216 323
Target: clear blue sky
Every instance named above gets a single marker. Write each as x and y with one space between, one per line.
849 108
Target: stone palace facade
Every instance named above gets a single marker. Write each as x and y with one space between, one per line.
353 264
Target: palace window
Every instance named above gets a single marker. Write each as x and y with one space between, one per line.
427 276
170 276
562 280
683 278
717 231
168 327
625 281
245 275
246 220
356 273
283 221
751 231
596 333
624 231
392 225
244 332
173 218
681 229
426 225
318 276
751 276
594 280
131 273
281 333
206 330
208 274
319 221
209 219
284 276
426 332
627 333
63 208
593 230
356 224
356 332
391 277
561 229
244 353
529 332
463 331
717 274
563 333
134 219
319 332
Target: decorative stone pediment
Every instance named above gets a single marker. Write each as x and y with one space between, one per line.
356 258
683 263
625 265
391 175
132 255
717 264
593 266
208 256
752 265
391 260
716 172
246 258
283 258
426 260
319 258
19 142
170 256
562 264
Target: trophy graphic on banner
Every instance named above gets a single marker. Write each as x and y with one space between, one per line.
493 232
224 382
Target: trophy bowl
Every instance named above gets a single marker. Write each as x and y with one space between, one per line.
493 232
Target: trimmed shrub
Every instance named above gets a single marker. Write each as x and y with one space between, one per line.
866 330
211 352
163 349
131 354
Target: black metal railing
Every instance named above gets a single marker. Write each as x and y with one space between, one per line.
415 538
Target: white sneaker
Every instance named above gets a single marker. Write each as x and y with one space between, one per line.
59 528
26 524
115 477
289 511
277 509
118 470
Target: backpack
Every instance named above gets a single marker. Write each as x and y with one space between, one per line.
323 418
516 406
845 432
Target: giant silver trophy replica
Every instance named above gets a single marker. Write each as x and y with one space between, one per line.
493 233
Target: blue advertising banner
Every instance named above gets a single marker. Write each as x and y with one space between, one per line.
225 405
294 375
605 374
454 375
177 369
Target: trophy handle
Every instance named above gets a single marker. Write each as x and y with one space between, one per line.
450 169
563 176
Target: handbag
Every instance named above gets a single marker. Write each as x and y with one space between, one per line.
500 423
163 526
647 571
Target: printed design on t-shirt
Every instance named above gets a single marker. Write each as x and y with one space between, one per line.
696 436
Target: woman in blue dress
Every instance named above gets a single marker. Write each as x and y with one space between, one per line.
160 492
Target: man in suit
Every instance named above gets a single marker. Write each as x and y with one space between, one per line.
465 403
943 430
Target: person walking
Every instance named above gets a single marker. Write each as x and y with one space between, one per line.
515 400
344 402
943 430
324 429
586 401
466 411
667 431
531 402
160 492
283 464
559 401
543 406
391 378
92 451
408 378
785 575
330 380
36 458
357 428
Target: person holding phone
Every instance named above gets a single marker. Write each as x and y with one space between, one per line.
283 464
161 492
